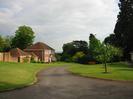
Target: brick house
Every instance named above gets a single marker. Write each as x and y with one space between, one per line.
15 55
34 57
44 52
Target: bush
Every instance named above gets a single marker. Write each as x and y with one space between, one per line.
58 56
66 58
79 57
25 60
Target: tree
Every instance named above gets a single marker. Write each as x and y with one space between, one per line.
70 49
7 43
1 43
111 39
104 53
78 57
124 27
58 56
66 57
24 37
93 44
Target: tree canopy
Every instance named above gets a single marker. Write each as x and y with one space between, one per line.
102 52
1 43
73 50
124 27
5 43
74 47
24 37
111 39
93 44
105 53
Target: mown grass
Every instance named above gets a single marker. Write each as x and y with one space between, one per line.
117 71
17 75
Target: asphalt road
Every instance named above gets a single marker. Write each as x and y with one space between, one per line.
57 83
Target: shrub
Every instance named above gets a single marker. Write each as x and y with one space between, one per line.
25 60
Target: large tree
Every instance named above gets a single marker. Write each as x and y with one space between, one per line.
5 43
124 27
1 43
102 52
111 39
75 46
70 49
24 37
93 44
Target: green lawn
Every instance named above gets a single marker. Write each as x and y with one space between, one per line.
117 71
17 75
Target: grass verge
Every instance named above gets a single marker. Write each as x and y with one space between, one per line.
117 71
18 75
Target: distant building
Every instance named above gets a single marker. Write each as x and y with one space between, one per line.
15 55
37 52
44 52
34 57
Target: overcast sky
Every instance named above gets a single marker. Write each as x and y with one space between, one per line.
56 22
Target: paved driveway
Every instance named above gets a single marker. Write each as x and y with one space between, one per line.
56 83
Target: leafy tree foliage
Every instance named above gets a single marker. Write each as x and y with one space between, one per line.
111 39
102 52
93 44
78 57
24 37
8 42
5 43
1 43
105 53
71 49
66 57
74 47
58 56
124 27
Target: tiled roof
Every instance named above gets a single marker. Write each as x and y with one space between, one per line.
39 45
16 52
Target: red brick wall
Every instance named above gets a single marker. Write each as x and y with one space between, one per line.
43 55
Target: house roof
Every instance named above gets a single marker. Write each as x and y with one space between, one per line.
16 52
39 45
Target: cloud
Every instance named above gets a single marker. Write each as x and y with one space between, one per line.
59 21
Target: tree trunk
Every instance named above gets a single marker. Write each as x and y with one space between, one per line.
105 66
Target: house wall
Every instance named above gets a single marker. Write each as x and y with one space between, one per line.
39 53
6 57
14 59
44 55
47 55
35 58
1 57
